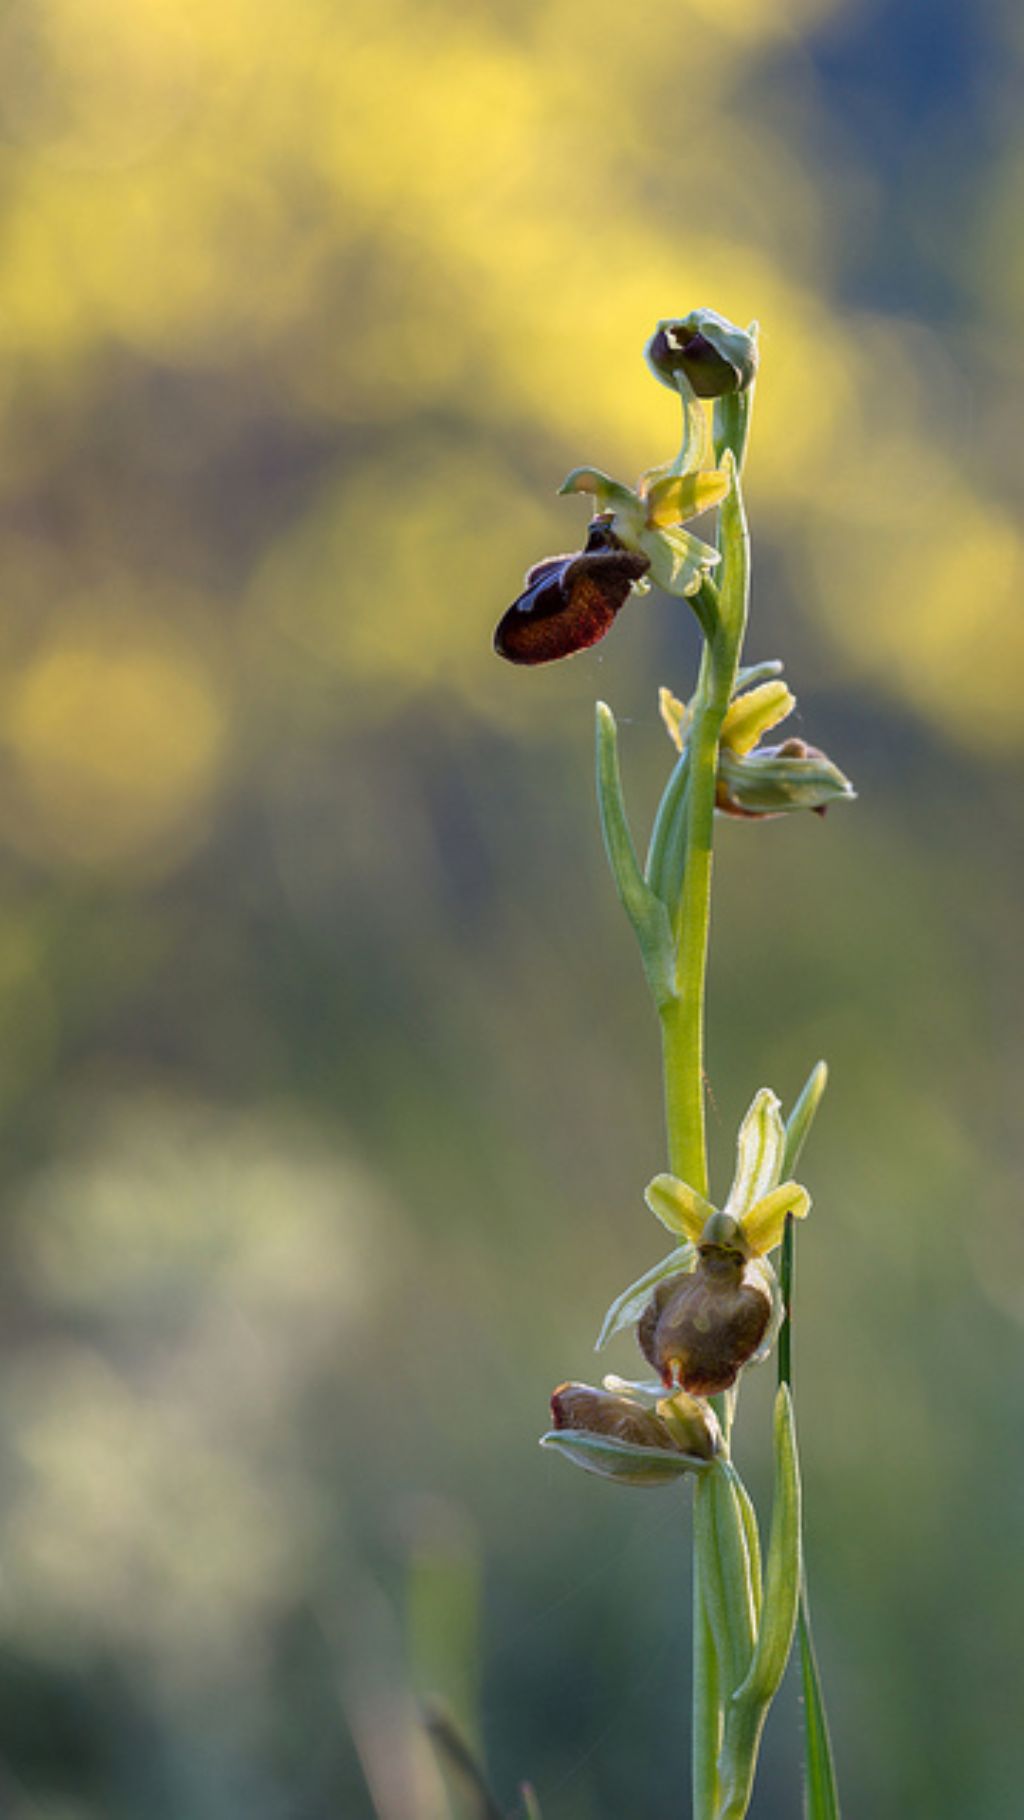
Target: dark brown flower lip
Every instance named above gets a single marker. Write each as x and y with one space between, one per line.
570 602
700 1329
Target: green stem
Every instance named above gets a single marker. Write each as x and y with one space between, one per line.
786 1288
682 1017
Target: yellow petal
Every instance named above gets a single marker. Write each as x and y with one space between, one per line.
675 498
678 1206
765 1224
752 714
676 716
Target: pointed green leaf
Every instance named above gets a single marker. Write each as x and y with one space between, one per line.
667 850
723 1564
753 1540
821 1793
678 1206
623 1461
627 1308
782 1567
746 1711
801 1118
759 1150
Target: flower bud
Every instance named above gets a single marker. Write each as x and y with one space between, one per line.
622 1438
699 1330
570 602
600 1412
712 353
774 780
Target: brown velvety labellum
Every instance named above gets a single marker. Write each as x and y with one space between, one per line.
569 601
699 1330
598 1412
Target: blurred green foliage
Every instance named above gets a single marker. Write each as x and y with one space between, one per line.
327 1078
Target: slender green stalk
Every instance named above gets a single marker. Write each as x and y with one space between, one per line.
682 1020
682 1017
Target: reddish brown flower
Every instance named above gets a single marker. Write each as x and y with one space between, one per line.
569 602
699 1330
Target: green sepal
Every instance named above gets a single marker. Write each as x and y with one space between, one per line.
761 1271
678 1206
645 910
610 494
627 1308
623 1461
801 1118
678 559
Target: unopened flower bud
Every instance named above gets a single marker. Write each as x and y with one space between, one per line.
601 1412
715 356
775 780
624 1439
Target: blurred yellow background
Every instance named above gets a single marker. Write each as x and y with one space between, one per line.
328 1080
